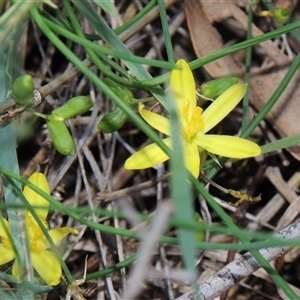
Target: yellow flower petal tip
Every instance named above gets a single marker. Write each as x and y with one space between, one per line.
129 165
256 150
195 123
44 261
74 231
40 180
147 157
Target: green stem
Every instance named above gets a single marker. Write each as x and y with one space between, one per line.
166 32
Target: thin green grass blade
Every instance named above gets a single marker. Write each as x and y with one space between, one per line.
247 73
166 32
107 6
6 296
103 50
137 17
13 16
281 144
113 41
243 45
92 55
181 193
232 49
110 37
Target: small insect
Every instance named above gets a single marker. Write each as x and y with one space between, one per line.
243 197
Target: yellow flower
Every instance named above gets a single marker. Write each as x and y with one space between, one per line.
194 125
44 261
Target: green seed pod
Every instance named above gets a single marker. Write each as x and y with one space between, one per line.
115 119
281 15
214 88
112 121
122 92
61 137
22 89
74 107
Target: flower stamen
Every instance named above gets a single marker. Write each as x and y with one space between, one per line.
194 124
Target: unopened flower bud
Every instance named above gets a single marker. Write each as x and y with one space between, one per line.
214 88
22 89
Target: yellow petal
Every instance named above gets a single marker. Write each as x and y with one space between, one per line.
182 85
228 146
6 254
222 106
192 158
147 157
14 270
157 121
4 227
34 198
18 270
47 265
56 235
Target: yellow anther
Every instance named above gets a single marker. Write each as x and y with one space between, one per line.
6 242
194 124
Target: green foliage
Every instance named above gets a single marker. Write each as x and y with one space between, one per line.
114 50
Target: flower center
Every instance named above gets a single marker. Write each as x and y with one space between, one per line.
192 124
6 242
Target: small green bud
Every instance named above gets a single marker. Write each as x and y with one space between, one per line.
112 121
122 92
214 88
22 89
61 137
74 107
281 15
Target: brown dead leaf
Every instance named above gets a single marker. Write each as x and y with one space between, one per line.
201 17
206 40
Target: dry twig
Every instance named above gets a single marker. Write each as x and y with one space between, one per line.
241 267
